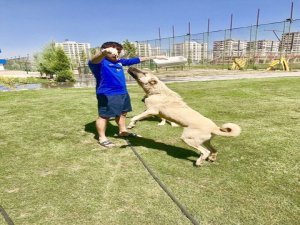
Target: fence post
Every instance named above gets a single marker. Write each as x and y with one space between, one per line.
255 41
223 55
250 46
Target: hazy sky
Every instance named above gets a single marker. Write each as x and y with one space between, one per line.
26 26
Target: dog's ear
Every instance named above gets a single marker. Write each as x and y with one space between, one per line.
152 81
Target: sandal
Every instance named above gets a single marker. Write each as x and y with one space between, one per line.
129 135
107 144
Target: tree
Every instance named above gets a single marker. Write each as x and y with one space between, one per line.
129 49
83 59
62 61
46 60
52 61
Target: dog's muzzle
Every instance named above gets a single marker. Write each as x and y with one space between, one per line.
134 72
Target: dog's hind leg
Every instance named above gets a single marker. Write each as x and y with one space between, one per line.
204 152
162 122
191 137
213 155
203 156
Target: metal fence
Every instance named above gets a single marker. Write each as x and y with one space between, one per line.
258 45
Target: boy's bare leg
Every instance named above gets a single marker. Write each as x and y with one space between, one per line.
101 124
121 121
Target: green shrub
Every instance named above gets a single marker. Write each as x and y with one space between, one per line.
64 75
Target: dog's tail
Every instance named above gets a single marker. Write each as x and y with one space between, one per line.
228 130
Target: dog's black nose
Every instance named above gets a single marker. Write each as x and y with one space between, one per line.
132 69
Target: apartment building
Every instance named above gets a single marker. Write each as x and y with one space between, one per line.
145 49
75 51
263 48
155 51
229 48
290 43
193 50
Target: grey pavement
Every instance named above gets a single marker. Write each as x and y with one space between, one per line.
166 77
231 76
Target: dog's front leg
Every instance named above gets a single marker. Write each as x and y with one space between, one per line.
141 116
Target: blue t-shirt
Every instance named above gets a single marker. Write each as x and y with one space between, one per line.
110 77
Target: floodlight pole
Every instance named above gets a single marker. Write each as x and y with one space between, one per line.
173 33
189 45
208 27
159 38
292 9
256 31
290 24
230 28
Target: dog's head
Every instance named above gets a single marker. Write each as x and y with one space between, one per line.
144 78
151 84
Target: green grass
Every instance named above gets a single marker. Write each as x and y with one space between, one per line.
52 170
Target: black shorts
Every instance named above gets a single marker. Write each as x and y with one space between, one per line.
113 105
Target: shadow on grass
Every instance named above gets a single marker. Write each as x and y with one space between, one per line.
174 151
150 144
91 128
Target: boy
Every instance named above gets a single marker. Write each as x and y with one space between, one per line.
112 95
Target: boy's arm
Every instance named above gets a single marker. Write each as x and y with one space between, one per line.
142 59
97 58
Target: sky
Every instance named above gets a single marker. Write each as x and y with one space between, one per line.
27 26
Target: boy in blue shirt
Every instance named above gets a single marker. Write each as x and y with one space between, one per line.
112 95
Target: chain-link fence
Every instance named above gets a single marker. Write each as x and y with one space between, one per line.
20 63
257 45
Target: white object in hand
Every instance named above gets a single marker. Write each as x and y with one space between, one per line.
171 61
111 50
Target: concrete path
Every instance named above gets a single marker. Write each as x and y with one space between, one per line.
16 74
231 76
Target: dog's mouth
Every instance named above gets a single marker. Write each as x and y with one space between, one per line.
134 72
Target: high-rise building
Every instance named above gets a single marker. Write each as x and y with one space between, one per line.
263 48
77 52
192 50
290 43
229 48
145 49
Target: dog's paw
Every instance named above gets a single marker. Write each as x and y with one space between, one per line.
212 157
199 162
130 126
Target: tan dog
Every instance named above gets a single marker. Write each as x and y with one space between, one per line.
165 103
